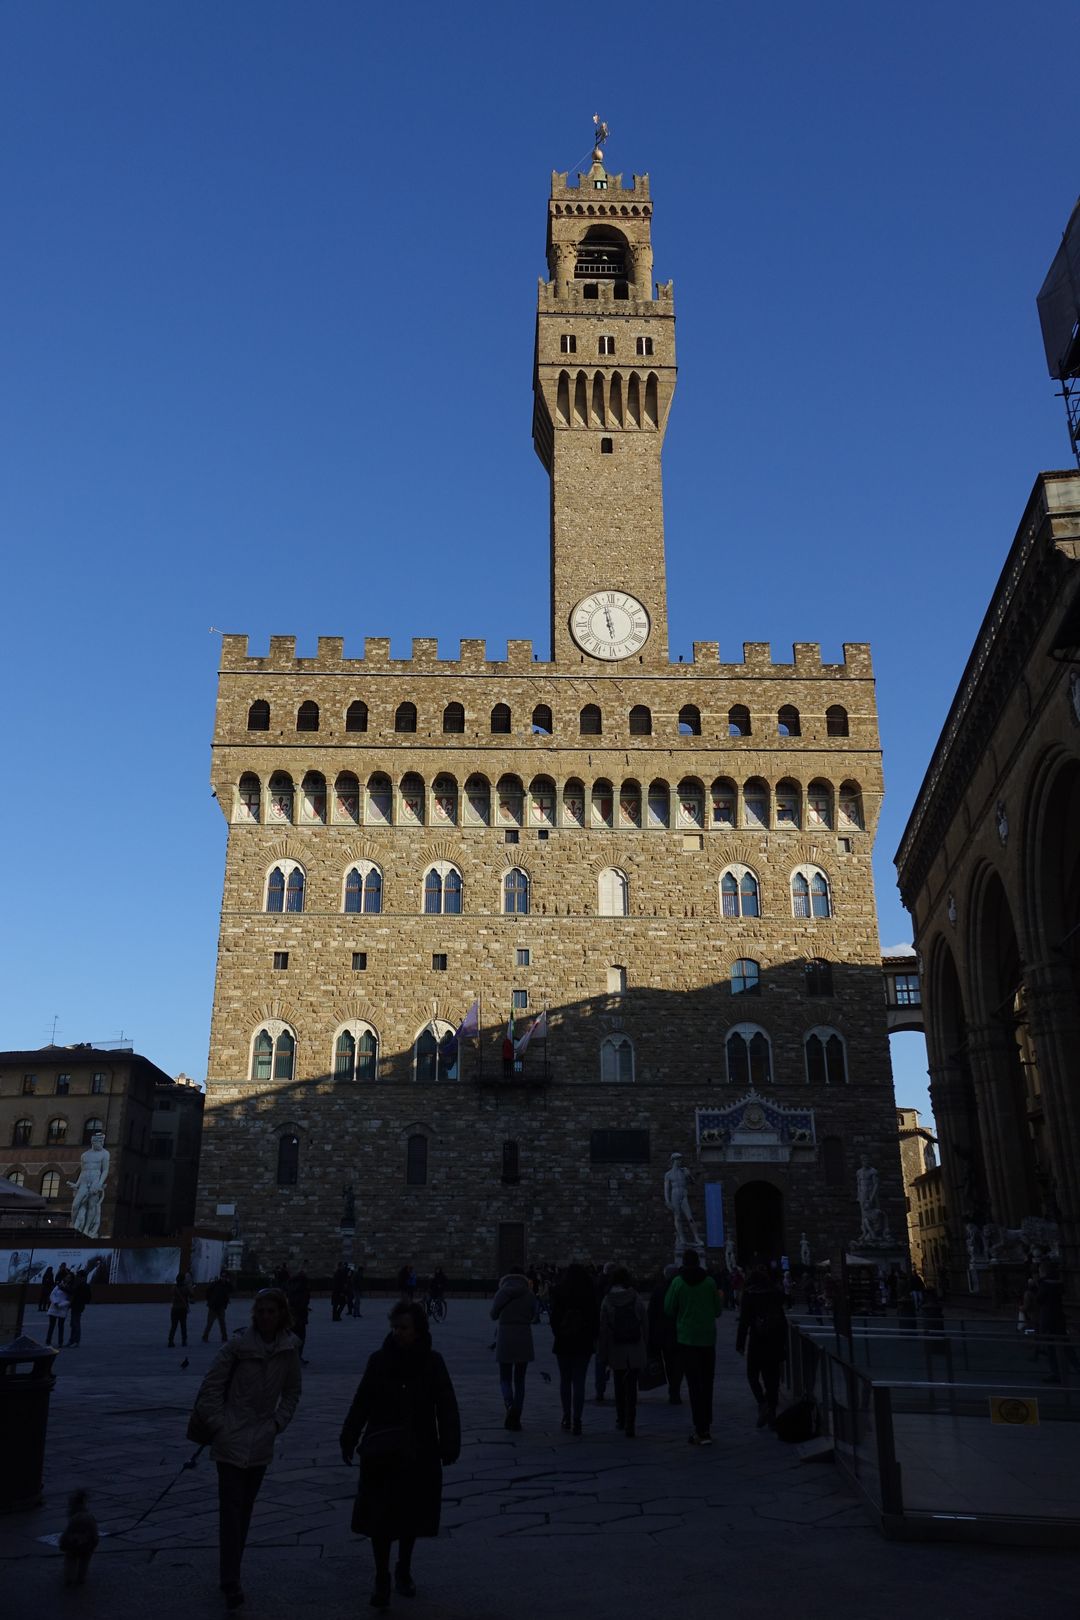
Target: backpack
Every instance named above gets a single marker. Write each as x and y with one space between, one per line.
625 1327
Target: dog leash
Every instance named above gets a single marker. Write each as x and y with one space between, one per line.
184 1467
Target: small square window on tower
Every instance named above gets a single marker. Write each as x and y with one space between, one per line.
568 343
607 345
511 835
644 345
607 447
521 1000
523 956
281 960
359 961
438 961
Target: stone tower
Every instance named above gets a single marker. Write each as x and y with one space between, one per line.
672 861
605 374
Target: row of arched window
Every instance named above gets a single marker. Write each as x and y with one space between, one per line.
355 1055
788 721
56 1132
51 1180
754 806
443 889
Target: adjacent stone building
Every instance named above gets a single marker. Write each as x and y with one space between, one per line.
671 862
54 1100
989 867
918 1154
172 1175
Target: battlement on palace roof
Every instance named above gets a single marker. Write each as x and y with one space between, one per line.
806 660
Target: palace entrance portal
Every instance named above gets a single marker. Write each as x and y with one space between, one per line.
759 1222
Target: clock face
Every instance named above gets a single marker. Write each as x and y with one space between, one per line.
610 625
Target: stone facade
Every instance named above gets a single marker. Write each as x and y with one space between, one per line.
614 803
50 1101
918 1154
989 868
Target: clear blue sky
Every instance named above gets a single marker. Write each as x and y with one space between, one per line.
264 261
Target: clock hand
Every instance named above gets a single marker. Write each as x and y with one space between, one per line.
610 625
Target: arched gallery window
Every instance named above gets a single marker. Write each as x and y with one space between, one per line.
363 888
285 887
749 1057
739 893
617 1058
826 1061
516 893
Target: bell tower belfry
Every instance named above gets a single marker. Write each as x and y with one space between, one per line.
603 381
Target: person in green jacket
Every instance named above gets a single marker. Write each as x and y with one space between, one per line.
693 1299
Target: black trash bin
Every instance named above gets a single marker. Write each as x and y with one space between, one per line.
26 1382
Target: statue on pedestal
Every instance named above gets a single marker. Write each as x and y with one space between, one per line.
874 1225
677 1182
804 1250
89 1192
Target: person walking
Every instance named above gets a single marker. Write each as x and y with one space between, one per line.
356 1289
600 1369
404 1418
298 1294
218 1296
575 1323
183 1294
48 1283
406 1278
59 1309
80 1299
339 1291
762 1336
663 1339
247 1398
694 1301
515 1309
623 1322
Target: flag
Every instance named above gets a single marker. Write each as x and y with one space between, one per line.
509 1036
469 1028
538 1027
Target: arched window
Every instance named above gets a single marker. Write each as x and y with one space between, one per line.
285 887
477 809
756 803
819 804
850 806
379 805
738 721
819 978
347 798
659 805
356 716
541 721
56 1132
16 1176
739 893
412 800
50 1184
288 1159
405 717
787 721
91 1127
832 1161
356 1053
281 797
435 1053
453 719
810 893
21 1132
617 1058
836 721
313 798
442 890
510 1174
363 888
689 720
590 721
249 798
826 1060
749 1057
640 721
307 716
273 1052
444 805
613 893
416 1161
516 893
259 716
788 813
500 719
745 977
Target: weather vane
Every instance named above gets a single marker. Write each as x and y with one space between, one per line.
602 133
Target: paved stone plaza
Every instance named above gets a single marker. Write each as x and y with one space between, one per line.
535 1525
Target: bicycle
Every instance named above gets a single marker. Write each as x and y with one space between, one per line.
435 1305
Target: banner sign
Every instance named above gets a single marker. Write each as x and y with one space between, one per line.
714 1215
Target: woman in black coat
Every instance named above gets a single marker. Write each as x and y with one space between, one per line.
404 1417
575 1322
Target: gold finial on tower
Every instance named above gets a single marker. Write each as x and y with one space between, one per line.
602 133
